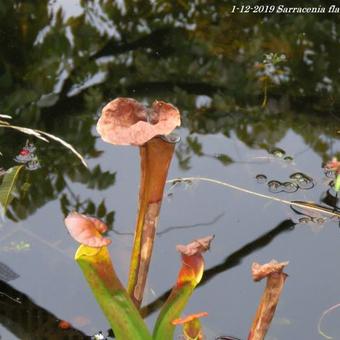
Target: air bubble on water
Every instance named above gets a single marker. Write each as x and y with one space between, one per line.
274 186
98 336
260 178
179 182
33 165
319 220
329 173
290 187
305 183
296 175
305 219
171 138
277 152
187 184
302 180
288 159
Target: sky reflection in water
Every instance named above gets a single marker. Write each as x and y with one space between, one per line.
209 72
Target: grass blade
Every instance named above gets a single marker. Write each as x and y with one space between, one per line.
27 131
308 205
40 134
67 145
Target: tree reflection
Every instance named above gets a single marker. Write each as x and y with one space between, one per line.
229 262
57 70
26 320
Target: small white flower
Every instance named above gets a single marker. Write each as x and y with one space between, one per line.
98 336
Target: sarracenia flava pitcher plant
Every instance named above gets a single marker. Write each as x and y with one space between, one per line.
188 278
94 260
124 121
192 328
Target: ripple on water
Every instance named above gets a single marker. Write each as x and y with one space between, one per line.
274 186
277 152
288 159
260 178
329 173
319 220
302 180
305 219
290 187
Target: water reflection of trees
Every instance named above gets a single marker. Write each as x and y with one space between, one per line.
56 71
27 320
233 260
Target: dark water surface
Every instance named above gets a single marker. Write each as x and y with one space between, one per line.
57 69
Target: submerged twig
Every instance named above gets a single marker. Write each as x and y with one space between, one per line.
307 205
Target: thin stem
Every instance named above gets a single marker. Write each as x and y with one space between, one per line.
235 187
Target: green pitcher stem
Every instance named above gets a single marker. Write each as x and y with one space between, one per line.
112 297
172 309
189 276
156 156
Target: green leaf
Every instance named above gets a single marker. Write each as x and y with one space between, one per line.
171 310
90 209
109 219
224 159
195 145
64 204
101 210
112 297
60 183
8 185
